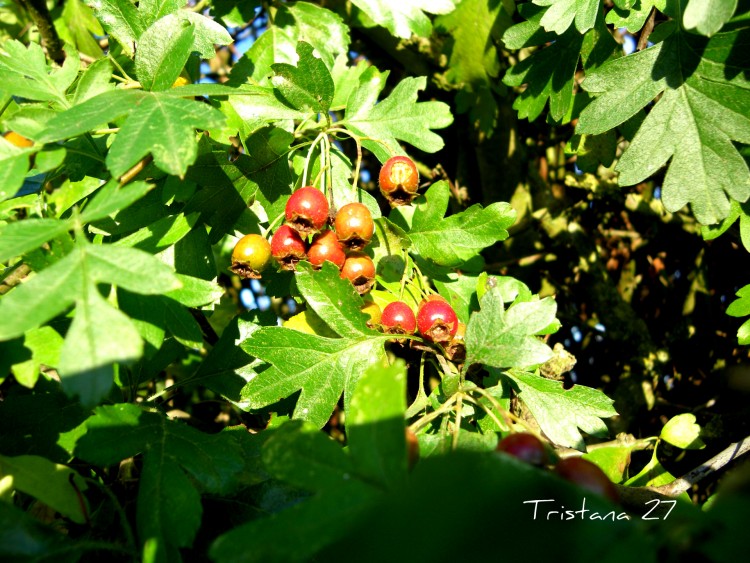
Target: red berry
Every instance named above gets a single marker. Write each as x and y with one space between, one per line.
354 225
307 210
588 476
250 256
287 247
399 180
436 319
359 270
398 318
326 246
525 447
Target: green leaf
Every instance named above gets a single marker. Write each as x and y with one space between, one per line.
561 13
334 299
77 25
316 522
307 86
700 113
157 123
23 236
196 292
505 338
14 164
549 74
397 117
96 79
26 73
474 63
162 52
469 231
112 198
121 20
322 29
51 483
560 412
682 431
262 107
404 17
305 457
375 425
176 458
275 45
25 538
634 17
45 344
153 10
100 335
321 367
708 16
44 424
741 308
613 460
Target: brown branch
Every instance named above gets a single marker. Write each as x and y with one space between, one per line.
679 486
646 31
14 278
640 499
139 167
40 14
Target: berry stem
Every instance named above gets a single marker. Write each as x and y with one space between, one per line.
310 152
272 224
457 424
447 406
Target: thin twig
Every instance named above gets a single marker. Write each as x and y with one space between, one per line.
646 31
679 486
135 170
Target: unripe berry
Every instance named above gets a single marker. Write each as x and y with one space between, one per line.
436 319
399 180
360 270
525 447
250 256
307 210
326 246
18 140
588 476
398 318
354 225
372 309
287 247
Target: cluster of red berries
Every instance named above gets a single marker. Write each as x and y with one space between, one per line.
529 448
307 215
435 320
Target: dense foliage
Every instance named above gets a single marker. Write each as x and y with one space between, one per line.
559 250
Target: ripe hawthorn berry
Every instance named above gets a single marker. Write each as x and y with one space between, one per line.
398 318
525 447
588 476
326 246
307 210
436 319
359 270
287 247
250 256
354 226
18 140
399 180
